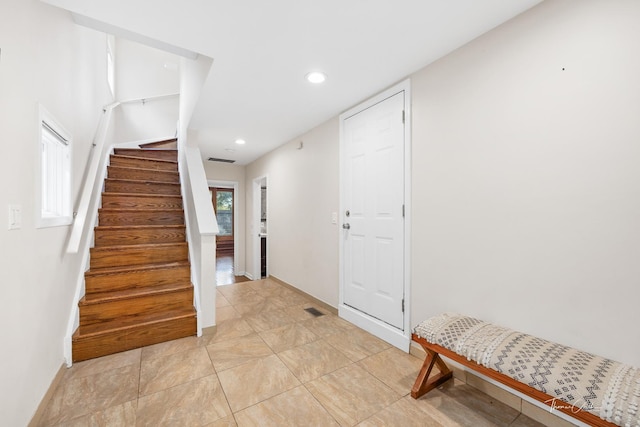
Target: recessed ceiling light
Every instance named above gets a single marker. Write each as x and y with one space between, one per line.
316 77
240 141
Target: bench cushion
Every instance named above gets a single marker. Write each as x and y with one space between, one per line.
607 389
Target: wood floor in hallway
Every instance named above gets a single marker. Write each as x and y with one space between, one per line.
225 273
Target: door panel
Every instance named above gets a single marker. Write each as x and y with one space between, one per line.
373 264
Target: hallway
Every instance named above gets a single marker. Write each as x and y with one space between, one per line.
270 362
225 272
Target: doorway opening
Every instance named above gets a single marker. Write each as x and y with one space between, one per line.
223 197
259 227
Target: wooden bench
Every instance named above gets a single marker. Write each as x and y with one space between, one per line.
589 388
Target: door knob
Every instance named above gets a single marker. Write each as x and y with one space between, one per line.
346 226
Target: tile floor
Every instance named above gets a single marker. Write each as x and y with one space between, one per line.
269 363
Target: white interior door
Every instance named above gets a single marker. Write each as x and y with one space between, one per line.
373 211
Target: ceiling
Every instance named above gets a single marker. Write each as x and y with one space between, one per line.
262 51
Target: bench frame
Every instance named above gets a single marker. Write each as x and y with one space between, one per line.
426 382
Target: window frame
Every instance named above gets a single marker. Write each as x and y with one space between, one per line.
50 130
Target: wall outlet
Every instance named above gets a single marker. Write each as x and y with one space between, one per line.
15 217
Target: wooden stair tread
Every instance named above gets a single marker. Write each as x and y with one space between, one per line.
138 227
128 268
137 181
130 323
144 246
144 209
144 169
117 194
102 297
144 158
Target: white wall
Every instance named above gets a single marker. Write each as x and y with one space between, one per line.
233 173
47 59
145 72
526 179
302 193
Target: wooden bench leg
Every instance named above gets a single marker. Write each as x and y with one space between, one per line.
423 383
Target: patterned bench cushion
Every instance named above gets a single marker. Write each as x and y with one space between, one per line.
607 389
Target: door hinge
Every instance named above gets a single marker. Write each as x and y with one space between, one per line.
403 305
402 116
402 211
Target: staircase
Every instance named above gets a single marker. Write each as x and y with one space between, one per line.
138 288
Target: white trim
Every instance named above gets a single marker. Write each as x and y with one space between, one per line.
394 336
236 221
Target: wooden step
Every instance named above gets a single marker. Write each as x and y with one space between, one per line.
167 144
134 303
142 163
118 172
143 201
138 235
140 187
124 217
133 277
162 154
127 255
113 337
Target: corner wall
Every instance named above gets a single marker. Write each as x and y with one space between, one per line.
46 59
302 192
526 182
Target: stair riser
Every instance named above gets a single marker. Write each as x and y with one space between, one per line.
112 237
110 282
115 186
142 174
148 154
137 256
132 162
114 342
119 218
116 201
135 307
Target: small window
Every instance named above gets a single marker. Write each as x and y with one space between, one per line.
55 172
111 79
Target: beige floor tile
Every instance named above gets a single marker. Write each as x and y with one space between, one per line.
265 304
267 287
328 324
292 298
221 301
179 368
395 368
351 394
103 364
401 413
123 415
288 336
248 384
198 402
296 407
233 328
229 421
172 347
86 395
457 404
310 361
524 421
235 289
357 344
269 320
229 353
226 313
244 298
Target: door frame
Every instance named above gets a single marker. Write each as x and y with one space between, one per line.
396 337
236 242
256 187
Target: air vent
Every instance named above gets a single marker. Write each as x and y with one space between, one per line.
314 311
215 159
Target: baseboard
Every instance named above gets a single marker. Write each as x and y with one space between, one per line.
36 420
315 300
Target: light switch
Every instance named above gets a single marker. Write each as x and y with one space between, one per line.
15 217
334 217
